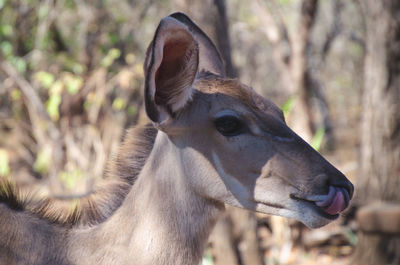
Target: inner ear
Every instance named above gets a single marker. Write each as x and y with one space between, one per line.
171 66
210 59
176 61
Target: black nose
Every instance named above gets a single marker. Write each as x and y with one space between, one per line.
343 182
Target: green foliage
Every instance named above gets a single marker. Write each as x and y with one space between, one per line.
52 105
352 237
288 105
70 64
43 11
92 99
119 104
318 137
54 101
207 259
113 37
319 134
6 48
73 83
19 63
132 111
6 30
71 178
70 4
44 78
43 161
285 2
87 104
4 164
111 56
16 94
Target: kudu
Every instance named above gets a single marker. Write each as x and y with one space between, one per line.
212 141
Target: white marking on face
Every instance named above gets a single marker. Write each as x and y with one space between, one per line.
235 187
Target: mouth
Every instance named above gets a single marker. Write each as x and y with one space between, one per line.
329 205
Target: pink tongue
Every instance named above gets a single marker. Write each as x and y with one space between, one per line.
338 204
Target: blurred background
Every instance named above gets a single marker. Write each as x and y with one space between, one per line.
71 83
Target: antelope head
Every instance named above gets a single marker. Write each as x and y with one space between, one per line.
232 144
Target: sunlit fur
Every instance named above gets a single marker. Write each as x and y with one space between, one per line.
170 180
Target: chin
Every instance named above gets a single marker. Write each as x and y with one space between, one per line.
314 222
307 213
311 215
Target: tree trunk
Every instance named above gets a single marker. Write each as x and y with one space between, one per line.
290 55
212 17
223 39
380 138
223 243
302 120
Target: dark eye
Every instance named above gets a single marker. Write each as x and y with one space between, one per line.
229 125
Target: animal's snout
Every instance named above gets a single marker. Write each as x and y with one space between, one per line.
344 184
335 201
339 195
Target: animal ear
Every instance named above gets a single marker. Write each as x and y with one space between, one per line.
171 66
210 59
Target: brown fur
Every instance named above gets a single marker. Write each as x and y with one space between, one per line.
183 174
105 198
210 83
10 195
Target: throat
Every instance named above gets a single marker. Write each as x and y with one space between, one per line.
169 222
172 230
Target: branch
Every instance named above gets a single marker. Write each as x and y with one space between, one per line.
36 109
281 22
306 21
356 39
42 30
335 30
33 103
307 14
222 36
277 35
270 28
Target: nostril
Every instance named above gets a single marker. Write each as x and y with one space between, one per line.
335 201
348 186
344 184
350 189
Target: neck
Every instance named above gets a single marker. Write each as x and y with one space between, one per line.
162 221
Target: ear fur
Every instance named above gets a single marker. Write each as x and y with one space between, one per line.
171 66
210 59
